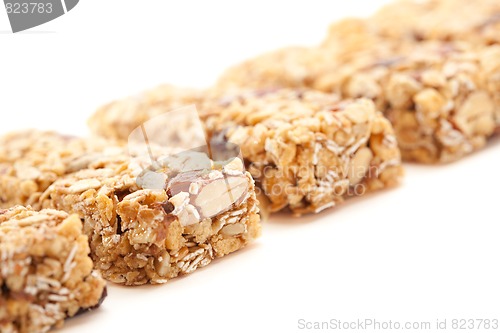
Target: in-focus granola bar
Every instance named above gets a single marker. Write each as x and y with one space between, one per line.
46 273
151 223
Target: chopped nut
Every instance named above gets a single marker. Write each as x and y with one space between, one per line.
357 114
149 179
162 264
188 216
187 161
429 102
233 229
401 89
180 201
215 193
235 165
230 191
194 188
359 165
84 185
82 162
475 106
187 182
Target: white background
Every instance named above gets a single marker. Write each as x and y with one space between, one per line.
426 250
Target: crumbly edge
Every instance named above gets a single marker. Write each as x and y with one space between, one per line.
134 238
306 150
46 273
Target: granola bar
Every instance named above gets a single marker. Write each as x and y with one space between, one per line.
307 150
350 41
116 120
442 98
150 221
46 274
30 161
286 67
477 22
297 67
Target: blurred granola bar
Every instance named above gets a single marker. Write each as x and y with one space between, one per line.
307 150
31 160
116 120
477 22
442 98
